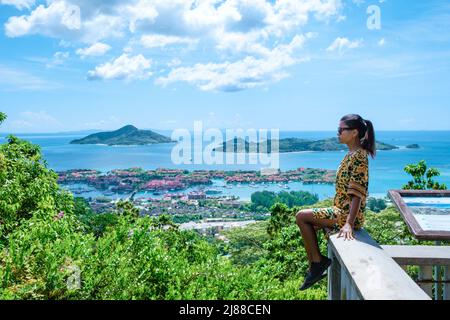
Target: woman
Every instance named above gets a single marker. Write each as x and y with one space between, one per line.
352 183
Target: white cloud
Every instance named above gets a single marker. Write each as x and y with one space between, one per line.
18 80
160 41
174 63
140 11
62 19
237 42
245 16
245 33
124 67
41 117
247 73
101 27
30 121
59 58
343 44
341 18
178 18
290 14
359 2
64 44
19 4
97 49
55 20
382 42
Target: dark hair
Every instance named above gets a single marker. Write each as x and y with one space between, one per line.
365 130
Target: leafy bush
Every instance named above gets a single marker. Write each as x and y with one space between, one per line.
423 177
28 187
388 228
130 261
54 247
93 222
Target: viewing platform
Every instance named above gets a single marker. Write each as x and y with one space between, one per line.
364 270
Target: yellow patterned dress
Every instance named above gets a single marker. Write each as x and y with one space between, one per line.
352 180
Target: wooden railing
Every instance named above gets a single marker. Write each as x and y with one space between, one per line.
363 270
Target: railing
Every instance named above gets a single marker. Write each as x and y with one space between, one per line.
433 263
363 270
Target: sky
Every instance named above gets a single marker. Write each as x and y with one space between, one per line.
70 65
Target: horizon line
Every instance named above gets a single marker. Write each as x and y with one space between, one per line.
281 130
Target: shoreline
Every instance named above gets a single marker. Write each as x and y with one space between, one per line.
162 181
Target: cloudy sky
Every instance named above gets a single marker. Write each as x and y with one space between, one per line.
69 65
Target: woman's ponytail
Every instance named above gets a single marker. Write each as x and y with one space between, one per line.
368 143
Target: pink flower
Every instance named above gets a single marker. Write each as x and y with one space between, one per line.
59 216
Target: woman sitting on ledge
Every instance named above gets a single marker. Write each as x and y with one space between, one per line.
350 201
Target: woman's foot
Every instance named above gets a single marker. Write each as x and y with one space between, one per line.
316 273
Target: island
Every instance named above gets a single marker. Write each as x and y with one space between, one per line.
238 145
128 135
413 146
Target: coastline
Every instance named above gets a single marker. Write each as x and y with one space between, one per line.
386 170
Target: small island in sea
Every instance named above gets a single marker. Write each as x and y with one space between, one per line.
413 146
128 135
290 145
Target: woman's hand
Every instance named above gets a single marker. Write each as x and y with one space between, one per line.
347 232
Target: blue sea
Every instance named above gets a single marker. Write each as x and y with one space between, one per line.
386 171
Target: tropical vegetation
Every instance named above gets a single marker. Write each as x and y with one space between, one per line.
53 246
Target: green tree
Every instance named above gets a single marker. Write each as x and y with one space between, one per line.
28 187
93 222
388 228
297 198
127 209
423 177
2 117
376 205
281 217
268 199
263 198
246 245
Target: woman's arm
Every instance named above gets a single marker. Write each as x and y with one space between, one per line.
347 230
355 206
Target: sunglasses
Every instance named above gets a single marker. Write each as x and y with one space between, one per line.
340 130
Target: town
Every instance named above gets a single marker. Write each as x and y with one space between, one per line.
159 180
164 191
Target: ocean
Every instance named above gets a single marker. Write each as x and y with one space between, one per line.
386 170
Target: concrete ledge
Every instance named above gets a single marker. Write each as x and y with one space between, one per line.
370 273
419 255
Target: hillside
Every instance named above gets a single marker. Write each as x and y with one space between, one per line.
128 135
292 145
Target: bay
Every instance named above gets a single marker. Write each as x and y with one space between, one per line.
386 171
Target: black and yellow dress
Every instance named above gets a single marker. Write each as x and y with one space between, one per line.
352 180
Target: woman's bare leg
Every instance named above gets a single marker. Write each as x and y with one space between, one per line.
308 224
